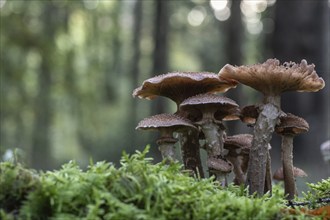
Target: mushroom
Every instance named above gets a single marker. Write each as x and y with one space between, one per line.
297 172
271 79
178 86
249 115
290 126
238 147
166 124
207 111
219 167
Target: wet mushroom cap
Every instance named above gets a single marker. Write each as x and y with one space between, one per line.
172 121
223 107
178 86
271 78
291 125
240 143
297 172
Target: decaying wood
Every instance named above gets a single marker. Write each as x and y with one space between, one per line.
262 135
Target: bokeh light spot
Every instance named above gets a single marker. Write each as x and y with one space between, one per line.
218 4
223 14
196 17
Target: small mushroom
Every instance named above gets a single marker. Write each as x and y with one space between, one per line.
220 168
271 79
238 147
166 124
178 86
297 172
249 115
290 126
208 111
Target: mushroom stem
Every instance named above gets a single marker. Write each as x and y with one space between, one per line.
167 149
262 135
190 153
287 160
237 169
213 136
221 178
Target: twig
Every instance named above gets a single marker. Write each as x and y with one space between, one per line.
320 200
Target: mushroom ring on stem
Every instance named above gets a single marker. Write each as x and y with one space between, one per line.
166 124
271 79
290 126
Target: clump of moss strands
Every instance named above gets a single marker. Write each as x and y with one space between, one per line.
137 189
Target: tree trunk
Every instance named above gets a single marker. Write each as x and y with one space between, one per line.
160 55
41 146
302 32
233 50
113 68
135 70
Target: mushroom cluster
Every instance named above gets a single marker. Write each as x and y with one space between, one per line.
201 112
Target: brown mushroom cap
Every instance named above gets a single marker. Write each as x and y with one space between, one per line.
222 108
174 122
238 144
178 86
220 165
297 172
249 114
291 125
272 79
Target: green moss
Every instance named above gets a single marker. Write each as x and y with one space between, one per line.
318 192
137 189
16 183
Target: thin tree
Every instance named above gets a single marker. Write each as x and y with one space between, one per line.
41 146
302 32
160 54
234 32
135 70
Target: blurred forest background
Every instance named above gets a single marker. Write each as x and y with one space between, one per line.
68 69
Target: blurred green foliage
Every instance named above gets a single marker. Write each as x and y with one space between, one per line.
66 71
66 76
